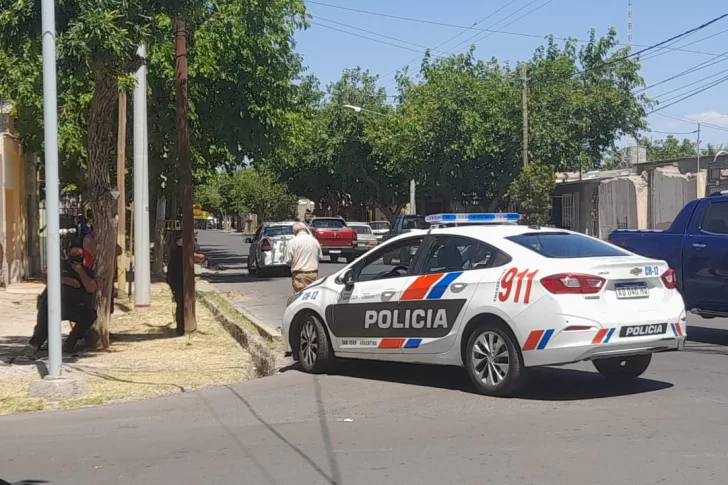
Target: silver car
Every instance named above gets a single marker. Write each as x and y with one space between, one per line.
268 247
366 239
380 228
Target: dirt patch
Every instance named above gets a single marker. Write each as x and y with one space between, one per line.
146 359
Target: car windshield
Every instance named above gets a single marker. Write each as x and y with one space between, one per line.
565 245
362 229
415 222
273 231
379 225
328 223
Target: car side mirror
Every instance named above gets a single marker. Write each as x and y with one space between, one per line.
346 279
248 240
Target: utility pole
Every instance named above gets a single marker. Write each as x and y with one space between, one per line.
121 186
142 283
185 178
50 133
524 78
413 203
698 171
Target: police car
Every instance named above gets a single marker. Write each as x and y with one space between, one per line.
496 297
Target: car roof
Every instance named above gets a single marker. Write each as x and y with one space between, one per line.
489 231
354 223
280 223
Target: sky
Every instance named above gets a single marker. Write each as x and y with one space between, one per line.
328 51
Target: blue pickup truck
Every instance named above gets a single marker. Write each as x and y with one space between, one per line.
696 247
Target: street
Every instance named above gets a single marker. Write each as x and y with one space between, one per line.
386 423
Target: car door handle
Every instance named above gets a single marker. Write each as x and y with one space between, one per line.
388 295
699 245
458 287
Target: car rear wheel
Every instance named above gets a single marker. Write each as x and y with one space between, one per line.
252 271
334 258
493 361
350 258
623 368
315 355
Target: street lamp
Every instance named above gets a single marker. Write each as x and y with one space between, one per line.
413 185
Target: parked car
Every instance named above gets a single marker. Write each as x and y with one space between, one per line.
337 239
268 247
366 239
380 228
696 247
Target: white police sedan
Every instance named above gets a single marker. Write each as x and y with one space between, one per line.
493 296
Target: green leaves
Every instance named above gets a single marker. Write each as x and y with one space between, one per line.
532 190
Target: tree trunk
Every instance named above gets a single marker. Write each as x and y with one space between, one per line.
101 130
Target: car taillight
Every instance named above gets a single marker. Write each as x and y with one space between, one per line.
669 279
570 283
265 246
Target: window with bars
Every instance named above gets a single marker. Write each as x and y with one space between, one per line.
570 211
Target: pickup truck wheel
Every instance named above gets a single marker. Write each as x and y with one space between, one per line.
349 258
623 368
334 258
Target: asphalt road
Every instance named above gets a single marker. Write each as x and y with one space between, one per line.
379 423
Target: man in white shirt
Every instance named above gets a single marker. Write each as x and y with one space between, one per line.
302 255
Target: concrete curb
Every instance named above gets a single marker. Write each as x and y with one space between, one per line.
265 360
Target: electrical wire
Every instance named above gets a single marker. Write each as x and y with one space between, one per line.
691 84
697 67
672 132
687 96
365 37
652 56
687 120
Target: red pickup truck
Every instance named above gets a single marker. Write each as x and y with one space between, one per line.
335 237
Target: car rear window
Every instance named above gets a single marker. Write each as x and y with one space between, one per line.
328 223
379 225
273 231
362 229
566 245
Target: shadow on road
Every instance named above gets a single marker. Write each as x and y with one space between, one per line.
543 384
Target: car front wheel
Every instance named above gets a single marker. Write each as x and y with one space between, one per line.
315 355
623 368
493 361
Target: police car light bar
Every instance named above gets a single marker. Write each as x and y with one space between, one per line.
473 218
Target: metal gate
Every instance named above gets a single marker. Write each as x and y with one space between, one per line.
570 211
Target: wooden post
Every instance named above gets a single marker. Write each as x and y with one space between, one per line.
121 186
185 178
524 78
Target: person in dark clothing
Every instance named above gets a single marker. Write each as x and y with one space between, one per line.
82 227
174 279
78 287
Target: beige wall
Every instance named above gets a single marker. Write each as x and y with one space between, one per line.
622 204
13 210
671 190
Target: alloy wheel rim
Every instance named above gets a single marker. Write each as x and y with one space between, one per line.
490 358
309 344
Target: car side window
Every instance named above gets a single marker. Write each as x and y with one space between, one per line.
715 219
392 261
457 253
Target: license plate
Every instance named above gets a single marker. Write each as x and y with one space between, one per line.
335 251
632 290
643 330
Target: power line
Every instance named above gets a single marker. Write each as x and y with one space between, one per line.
465 29
365 37
491 32
687 120
694 93
666 49
673 132
691 84
374 33
697 67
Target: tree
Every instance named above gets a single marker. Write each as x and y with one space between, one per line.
532 190
241 67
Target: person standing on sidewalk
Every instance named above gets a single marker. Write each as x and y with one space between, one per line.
174 279
77 303
303 253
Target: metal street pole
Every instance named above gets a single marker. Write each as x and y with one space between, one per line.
121 186
698 171
524 78
50 132
142 290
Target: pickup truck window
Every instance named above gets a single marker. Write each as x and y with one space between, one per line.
563 245
362 229
328 223
273 231
716 218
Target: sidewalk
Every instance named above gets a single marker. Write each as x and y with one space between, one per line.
146 357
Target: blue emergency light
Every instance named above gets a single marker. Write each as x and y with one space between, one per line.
494 218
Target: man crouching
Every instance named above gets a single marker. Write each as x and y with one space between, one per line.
77 303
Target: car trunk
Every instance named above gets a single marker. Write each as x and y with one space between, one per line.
329 236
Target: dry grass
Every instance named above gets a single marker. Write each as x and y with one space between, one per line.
146 359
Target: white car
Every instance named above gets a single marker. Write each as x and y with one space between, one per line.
268 247
495 299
